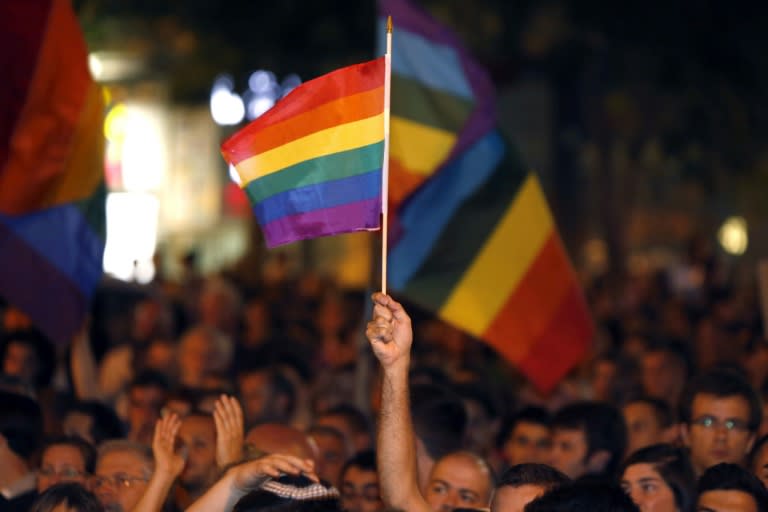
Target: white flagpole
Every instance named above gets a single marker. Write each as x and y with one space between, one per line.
385 164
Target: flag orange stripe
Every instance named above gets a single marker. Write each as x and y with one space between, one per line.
402 182
529 309
341 111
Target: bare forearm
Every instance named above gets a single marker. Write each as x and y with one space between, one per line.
157 492
223 495
84 371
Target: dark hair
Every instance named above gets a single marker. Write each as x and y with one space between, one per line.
262 500
732 477
150 378
673 348
84 447
603 427
352 415
364 460
755 451
532 474
722 383
40 345
531 414
674 466
70 494
661 409
479 392
439 419
279 385
580 496
21 423
106 424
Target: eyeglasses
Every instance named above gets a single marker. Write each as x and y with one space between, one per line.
117 481
64 473
710 422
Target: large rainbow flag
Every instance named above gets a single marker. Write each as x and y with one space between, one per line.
51 166
312 165
476 243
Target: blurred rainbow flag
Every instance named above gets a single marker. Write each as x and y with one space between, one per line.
312 165
51 166
476 242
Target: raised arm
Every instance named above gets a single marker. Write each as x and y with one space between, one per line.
168 465
228 416
82 365
390 335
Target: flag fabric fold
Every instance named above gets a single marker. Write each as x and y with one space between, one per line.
52 189
476 243
311 166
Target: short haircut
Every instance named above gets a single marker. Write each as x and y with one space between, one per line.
674 466
530 414
124 445
84 447
72 495
603 427
759 444
150 378
674 348
539 475
263 500
279 385
582 496
325 430
479 392
364 460
661 409
439 419
353 416
106 424
21 423
732 477
43 348
722 383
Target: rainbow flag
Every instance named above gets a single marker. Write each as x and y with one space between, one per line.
312 165
51 166
477 243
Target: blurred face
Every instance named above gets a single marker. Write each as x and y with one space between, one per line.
457 481
333 455
197 358
760 465
726 501
119 480
661 377
603 379
514 499
144 407
80 425
21 361
643 426
60 463
569 452
254 396
360 491
718 431
648 489
528 442
198 435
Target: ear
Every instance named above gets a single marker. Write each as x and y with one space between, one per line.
597 461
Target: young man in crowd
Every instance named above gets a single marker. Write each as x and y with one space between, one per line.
649 421
728 488
527 437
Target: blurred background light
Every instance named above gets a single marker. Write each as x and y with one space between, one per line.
132 226
227 106
733 236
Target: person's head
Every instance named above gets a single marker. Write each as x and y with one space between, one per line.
146 397
290 494
758 460
21 427
29 356
522 483
266 394
65 459
67 497
649 421
359 484
123 469
526 437
350 421
588 438
583 496
664 369
482 415
219 304
333 451
279 438
198 437
459 479
720 415
727 487
204 354
659 478
92 421
152 318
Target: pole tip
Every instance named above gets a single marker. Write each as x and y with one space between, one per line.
389 24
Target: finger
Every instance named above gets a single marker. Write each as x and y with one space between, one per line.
374 334
380 311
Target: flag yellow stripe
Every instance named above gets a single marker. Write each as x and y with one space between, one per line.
322 143
502 261
417 147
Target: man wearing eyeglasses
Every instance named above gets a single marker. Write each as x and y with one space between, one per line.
123 469
720 414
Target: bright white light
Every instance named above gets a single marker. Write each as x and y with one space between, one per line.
143 150
234 176
258 105
262 81
226 106
94 63
132 220
733 236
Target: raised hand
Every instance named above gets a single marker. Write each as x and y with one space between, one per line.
167 459
389 332
230 431
250 475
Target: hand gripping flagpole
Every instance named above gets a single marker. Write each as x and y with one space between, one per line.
385 164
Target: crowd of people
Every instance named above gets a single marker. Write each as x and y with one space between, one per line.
210 395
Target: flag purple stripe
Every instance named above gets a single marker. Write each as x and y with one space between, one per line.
346 218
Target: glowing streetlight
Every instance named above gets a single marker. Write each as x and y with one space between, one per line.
733 236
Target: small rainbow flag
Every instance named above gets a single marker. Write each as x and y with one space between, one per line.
312 165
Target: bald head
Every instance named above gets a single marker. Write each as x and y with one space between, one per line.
278 438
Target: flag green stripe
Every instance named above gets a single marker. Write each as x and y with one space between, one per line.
317 170
412 100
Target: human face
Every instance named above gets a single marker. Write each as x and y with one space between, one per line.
60 463
760 465
333 454
528 442
120 480
648 489
20 361
661 377
144 407
80 425
708 437
514 499
254 395
643 426
198 436
360 490
458 481
569 452
726 501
